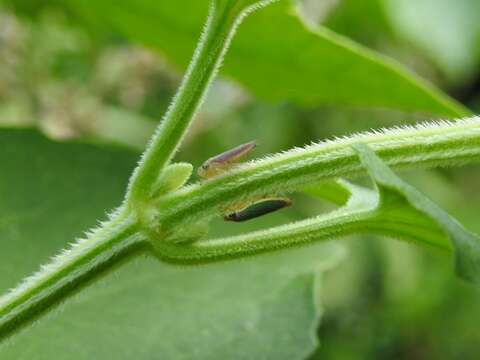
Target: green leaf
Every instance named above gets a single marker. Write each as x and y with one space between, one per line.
348 18
405 212
261 308
276 55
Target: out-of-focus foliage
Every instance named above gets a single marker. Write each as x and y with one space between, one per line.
276 55
447 31
55 77
389 299
440 39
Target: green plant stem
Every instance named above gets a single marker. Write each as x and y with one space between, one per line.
114 243
124 236
217 34
321 228
435 144
120 239
334 225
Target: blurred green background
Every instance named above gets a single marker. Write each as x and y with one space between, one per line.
386 300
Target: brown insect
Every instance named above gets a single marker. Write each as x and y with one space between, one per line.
240 212
224 161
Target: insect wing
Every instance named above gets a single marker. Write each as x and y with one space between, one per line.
260 208
234 154
216 164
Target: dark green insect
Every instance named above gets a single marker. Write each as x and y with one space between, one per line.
262 207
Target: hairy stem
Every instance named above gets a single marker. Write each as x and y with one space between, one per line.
434 144
296 234
366 212
321 228
86 261
217 34
122 238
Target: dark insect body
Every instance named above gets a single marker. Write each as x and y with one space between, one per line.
257 209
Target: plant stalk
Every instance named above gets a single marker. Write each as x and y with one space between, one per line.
428 145
87 260
212 46
123 237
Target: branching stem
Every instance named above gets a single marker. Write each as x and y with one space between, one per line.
223 19
123 236
114 243
130 232
427 145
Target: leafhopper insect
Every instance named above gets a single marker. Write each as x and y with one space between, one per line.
262 207
239 212
224 161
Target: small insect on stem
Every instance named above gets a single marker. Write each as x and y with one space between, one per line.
257 209
224 161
